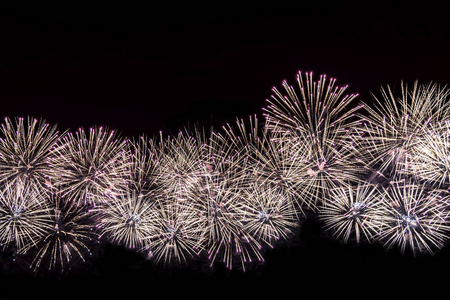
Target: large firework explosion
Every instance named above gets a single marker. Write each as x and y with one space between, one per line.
319 122
374 172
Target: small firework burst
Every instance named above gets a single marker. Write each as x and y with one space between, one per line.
24 216
267 213
319 129
90 167
128 219
68 240
353 213
178 233
394 126
415 218
24 149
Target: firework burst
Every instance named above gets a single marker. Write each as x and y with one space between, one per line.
90 167
319 127
267 213
415 218
69 238
224 233
323 106
178 233
24 216
24 150
353 213
128 219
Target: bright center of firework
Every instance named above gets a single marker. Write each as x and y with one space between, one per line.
133 220
172 231
356 209
16 212
409 221
264 217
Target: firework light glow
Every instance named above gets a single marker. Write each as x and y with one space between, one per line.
372 173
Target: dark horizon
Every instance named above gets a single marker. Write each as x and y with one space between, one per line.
145 70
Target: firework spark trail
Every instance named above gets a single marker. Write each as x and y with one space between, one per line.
415 218
24 149
24 216
69 238
90 167
353 213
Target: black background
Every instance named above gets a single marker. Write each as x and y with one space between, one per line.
142 69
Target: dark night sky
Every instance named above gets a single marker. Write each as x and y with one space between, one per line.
145 69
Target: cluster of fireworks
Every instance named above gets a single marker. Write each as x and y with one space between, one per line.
370 173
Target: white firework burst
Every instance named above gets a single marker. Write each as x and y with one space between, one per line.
353 213
128 219
416 219
70 238
267 213
178 233
319 126
24 216
90 167
25 147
